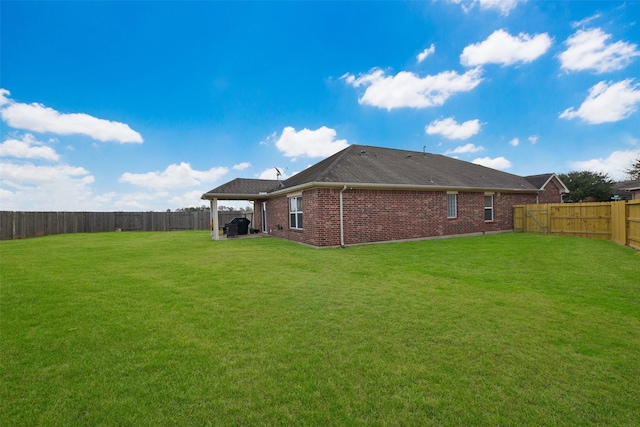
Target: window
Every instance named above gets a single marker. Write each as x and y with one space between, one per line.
488 207
452 205
295 212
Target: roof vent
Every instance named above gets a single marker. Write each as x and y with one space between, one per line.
363 153
408 156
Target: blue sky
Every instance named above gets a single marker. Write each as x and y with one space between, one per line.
147 105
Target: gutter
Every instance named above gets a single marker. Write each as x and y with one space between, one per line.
234 196
355 185
363 186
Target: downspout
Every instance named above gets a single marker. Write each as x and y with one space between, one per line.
342 219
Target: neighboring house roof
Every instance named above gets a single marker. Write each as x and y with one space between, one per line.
541 181
625 188
361 166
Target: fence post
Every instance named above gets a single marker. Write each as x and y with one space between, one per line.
619 222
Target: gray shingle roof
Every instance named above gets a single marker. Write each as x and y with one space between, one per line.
624 188
240 187
539 180
360 164
384 167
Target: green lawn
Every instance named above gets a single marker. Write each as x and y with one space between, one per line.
173 329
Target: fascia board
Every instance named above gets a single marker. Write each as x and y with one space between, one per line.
364 186
233 196
557 179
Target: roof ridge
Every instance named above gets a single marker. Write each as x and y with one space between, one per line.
402 166
323 166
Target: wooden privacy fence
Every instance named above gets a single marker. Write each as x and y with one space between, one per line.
617 221
22 225
227 216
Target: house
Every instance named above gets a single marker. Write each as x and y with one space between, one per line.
366 194
626 190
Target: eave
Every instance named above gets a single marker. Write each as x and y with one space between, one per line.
406 187
234 196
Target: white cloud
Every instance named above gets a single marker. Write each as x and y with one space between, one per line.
533 139
174 176
158 200
41 188
242 166
269 139
17 175
27 148
38 118
585 21
309 143
406 89
4 97
63 187
588 50
505 49
465 149
497 163
502 6
450 129
188 199
425 53
515 142
271 173
607 102
139 201
614 165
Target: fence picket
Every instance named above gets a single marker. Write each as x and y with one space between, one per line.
22 225
616 221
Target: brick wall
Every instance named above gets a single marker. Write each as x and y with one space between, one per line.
383 215
550 194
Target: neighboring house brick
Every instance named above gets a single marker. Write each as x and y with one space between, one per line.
552 187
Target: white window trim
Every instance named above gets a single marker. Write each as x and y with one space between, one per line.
296 212
452 193
493 213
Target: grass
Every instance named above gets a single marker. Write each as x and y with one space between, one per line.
174 329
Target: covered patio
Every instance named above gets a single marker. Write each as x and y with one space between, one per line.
251 190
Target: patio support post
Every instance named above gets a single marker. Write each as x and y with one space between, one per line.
214 218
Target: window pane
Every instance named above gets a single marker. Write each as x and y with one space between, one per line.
488 214
295 212
452 205
488 201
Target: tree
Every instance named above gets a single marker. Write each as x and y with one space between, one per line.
587 184
634 170
193 209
